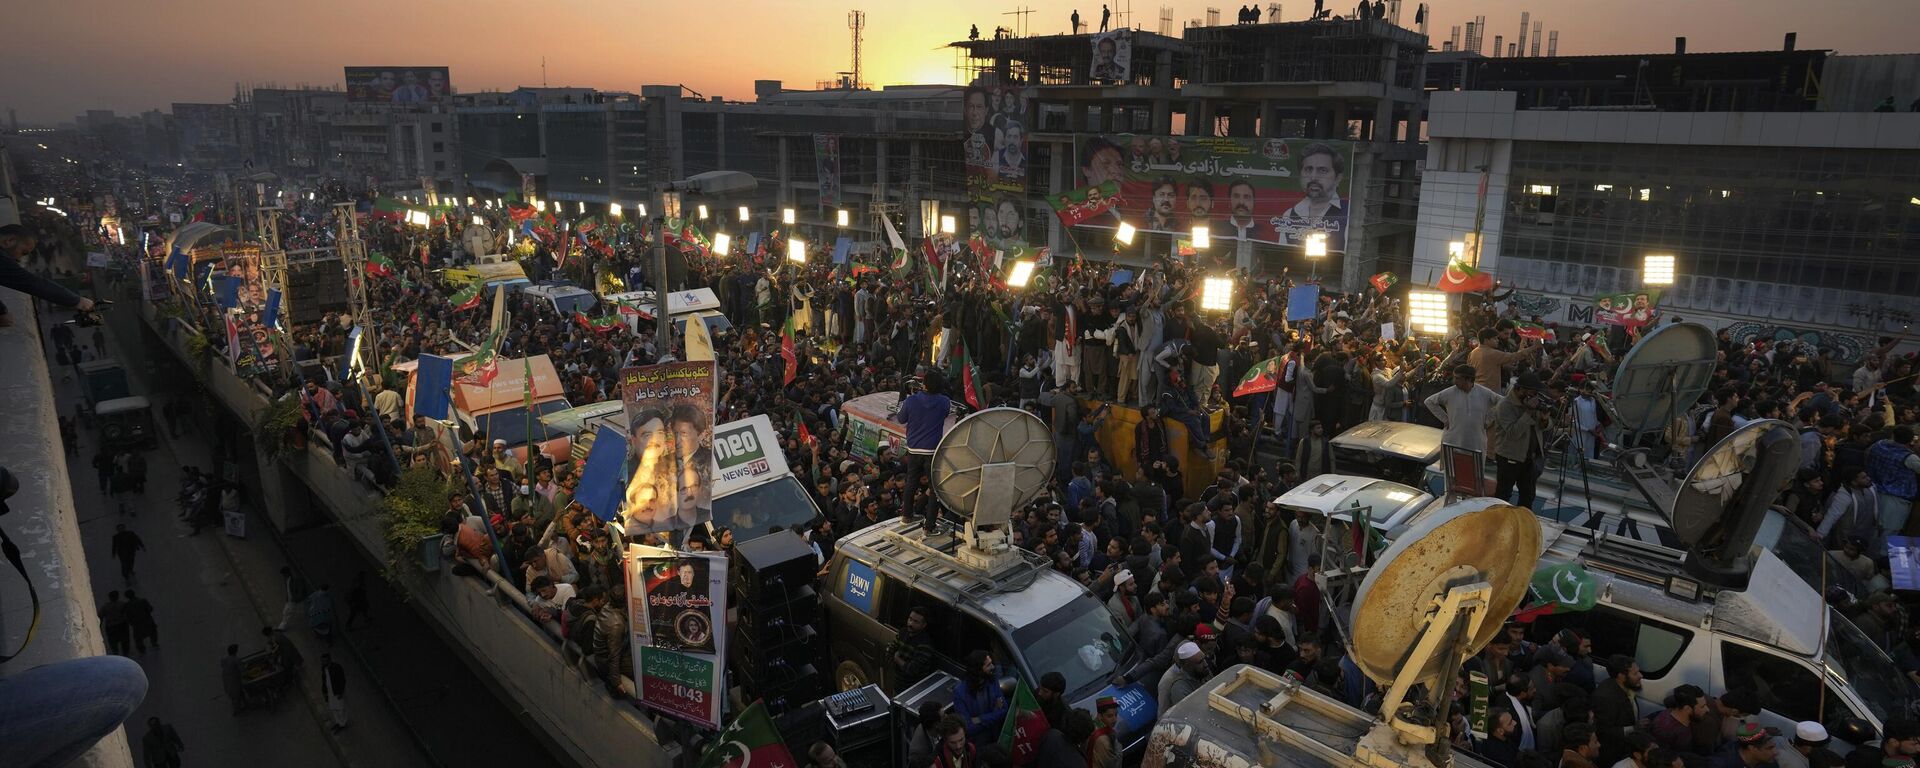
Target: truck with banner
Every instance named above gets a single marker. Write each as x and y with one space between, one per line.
754 489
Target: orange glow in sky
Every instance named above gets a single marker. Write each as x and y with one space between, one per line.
128 56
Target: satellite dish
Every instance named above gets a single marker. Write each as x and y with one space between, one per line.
1479 541
991 463
478 239
1663 376
1717 511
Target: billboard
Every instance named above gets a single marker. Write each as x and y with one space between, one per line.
676 614
1264 190
398 85
826 168
1112 56
669 411
995 148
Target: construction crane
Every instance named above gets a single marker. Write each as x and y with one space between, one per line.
856 21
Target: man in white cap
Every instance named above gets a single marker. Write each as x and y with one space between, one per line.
1808 738
1184 677
1125 602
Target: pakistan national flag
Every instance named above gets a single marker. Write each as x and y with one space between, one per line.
1024 727
1264 376
378 265
750 741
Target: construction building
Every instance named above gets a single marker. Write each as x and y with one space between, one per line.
1333 82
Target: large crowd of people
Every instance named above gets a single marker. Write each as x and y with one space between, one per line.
1180 536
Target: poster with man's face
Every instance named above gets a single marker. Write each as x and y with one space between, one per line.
1276 191
398 85
1112 56
995 149
679 603
669 411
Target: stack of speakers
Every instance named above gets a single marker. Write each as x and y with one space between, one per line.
776 652
314 290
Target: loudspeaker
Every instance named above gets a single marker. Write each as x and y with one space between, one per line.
314 290
775 649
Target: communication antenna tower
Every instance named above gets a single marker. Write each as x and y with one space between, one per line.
856 21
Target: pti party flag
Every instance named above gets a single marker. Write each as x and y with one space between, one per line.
1085 203
603 324
482 366
1560 588
1625 309
378 265
901 262
1262 377
1024 726
1463 278
389 208
467 298
786 353
969 377
806 437
750 740
1532 331
1381 282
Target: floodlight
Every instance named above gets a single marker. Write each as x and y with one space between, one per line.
796 251
703 211
1124 234
1658 269
613 209
1317 245
1216 294
1201 237
744 213
720 243
1427 312
1021 273
841 218
948 226
786 215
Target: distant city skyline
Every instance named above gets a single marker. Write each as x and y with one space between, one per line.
107 54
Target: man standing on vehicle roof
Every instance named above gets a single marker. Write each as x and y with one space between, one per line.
925 415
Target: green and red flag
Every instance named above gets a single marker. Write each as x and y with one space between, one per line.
900 260
750 740
1559 588
467 298
969 377
480 368
1464 278
1381 282
1024 726
787 353
602 324
1532 331
1085 203
389 208
1264 376
378 265
197 213
1184 248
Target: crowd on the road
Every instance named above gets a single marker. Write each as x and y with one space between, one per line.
1178 534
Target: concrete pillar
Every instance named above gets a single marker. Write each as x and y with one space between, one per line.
1240 120
785 170
1162 123
1340 116
880 171
1200 117
1059 179
916 189
1077 116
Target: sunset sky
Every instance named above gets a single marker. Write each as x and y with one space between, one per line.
72 55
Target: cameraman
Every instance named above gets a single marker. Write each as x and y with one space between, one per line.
1518 439
924 414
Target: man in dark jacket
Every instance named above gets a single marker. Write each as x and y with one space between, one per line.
1616 707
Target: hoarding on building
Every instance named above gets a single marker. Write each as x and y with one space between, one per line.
398 85
1264 190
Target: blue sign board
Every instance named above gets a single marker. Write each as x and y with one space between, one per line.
857 589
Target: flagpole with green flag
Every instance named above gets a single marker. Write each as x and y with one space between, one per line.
750 740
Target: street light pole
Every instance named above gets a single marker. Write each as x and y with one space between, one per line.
663 331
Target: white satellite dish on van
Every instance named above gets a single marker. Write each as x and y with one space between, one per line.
1662 376
1437 595
477 239
988 465
1718 509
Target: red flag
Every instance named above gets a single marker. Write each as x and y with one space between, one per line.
787 353
1262 377
1025 725
1532 331
969 377
806 437
1462 278
933 254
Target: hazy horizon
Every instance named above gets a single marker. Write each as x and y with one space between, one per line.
80 54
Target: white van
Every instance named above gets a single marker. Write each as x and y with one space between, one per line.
565 298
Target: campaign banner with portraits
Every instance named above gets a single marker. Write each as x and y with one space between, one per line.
1112 56
235 272
398 85
826 168
676 615
995 150
669 410
1264 190
1626 309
